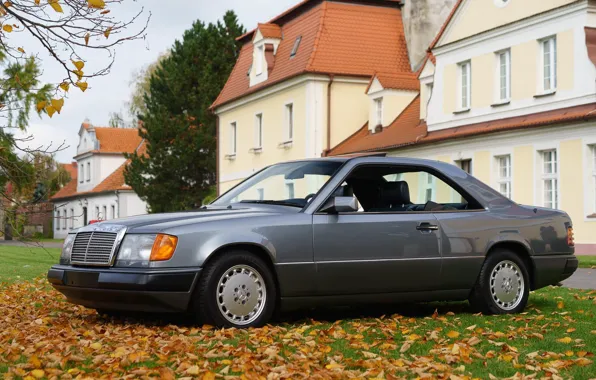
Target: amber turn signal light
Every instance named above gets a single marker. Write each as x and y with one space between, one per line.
163 247
570 239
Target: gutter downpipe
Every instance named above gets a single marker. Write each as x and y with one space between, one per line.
331 78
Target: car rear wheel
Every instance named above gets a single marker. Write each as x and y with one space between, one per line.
503 284
236 289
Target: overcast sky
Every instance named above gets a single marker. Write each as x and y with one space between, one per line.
109 94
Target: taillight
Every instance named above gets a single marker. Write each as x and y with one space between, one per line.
570 239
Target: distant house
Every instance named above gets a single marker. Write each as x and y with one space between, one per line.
97 190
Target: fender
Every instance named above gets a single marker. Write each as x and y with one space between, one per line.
511 236
219 241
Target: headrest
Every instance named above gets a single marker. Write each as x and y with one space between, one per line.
396 192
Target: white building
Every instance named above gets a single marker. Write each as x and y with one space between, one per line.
97 190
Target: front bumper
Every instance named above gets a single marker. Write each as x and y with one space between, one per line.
147 290
552 269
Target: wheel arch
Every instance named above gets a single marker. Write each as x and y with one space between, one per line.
521 250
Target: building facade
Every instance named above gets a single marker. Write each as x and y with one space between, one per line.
510 98
97 190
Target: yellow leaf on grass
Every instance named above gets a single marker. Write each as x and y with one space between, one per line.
96 346
583 362
41 106
406 346
570 330
87 36
565 340
107 32
99 4
560 305
34 360
38 373
65 86
56 6
193 370
57 104
209 376
569 353
79 64
82 86
507 358
453 334
333 366
7 28
414 337
50 111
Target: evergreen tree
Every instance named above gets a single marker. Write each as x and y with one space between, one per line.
178 169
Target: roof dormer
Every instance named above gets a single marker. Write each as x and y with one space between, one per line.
266 41
390 94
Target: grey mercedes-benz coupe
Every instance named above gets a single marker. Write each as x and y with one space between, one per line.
340 231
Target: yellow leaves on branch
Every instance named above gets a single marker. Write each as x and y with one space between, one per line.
50 111
55 5
87 36
98 4
65 86
57 104
79 64
21 50
41 106
82 86
107 32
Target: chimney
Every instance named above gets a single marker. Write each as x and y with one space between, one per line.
422 21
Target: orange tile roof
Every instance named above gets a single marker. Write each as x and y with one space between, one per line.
270 30
71 169
114 181
117 140
406 130
352 39
396 81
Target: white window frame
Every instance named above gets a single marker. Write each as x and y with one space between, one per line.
464 85
289 122
64 225
261 194
548 69
82 173
503 72
379 111
113 211
71 220
258 143
96 212
592 155
290 189
88 172
552 177
260 55
57 220
428 183
233 138
105 212
507 179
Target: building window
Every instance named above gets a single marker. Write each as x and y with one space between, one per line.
429 186
88 171
259 60
296 46
593 159
289 133
97 213
113 212
290 190
65 219
504 74
379 111
465 85
258 131
549 64
504 175
465 165
233 132
550 180
58 220
105 213
261 194
71 220
82 173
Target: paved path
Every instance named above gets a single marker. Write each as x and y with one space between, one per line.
30 244
582 279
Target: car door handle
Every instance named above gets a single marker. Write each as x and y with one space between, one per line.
427 227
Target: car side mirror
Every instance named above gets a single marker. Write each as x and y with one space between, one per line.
336 205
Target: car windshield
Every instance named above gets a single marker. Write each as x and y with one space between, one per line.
291 184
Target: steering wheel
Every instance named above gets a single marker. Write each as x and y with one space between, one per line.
309 197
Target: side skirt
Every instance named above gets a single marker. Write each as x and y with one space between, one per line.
294 303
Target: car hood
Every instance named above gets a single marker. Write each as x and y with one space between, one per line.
153 223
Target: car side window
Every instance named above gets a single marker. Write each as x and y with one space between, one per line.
382 188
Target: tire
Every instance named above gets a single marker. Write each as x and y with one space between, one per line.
236 283
503 286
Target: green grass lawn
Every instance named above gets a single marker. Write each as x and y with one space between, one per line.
587 261
25 263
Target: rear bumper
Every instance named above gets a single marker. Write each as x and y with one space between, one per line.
552 269
126 289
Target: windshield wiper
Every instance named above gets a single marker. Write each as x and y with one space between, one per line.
280 203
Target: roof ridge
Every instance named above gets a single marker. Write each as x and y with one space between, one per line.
313 54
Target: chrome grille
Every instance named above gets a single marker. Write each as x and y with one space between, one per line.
93 248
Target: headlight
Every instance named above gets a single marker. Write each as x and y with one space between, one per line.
141 250
67 249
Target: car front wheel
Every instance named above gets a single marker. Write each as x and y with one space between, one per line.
503 284
236 289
